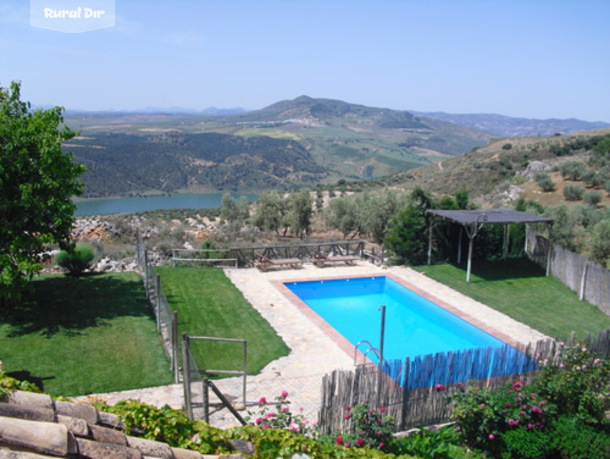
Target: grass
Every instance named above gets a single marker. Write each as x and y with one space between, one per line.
79 335
208 304
519 289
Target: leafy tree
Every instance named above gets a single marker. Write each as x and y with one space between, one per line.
462 199
573 192
544 181
234 211
270 210
600 243
300 210
573 170
592 198
37 181
407 236
376 212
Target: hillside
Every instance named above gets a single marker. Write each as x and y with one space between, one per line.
341 140
506 126
496 174
169 161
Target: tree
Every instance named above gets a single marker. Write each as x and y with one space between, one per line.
270 210
37 182
406 236
234 211
298 217
544 181
600 243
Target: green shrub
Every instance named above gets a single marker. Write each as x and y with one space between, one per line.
507 146
77 260
578 383
527 444
573 170
544 181
573 192
442 443
592 198
575 440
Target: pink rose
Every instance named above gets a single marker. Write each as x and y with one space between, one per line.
284 394
262 401
360 442
339 440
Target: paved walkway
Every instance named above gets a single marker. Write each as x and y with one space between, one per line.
313 353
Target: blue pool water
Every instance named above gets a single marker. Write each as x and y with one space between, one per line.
414 326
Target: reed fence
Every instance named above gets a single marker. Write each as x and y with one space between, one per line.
408 389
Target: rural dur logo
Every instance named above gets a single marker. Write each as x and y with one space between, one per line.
72 16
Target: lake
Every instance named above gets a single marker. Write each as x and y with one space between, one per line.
175 201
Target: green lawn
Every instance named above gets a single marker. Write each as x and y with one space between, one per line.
519 289
208 304
80 335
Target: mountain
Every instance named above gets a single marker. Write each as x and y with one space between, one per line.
170 161
334 140
506 126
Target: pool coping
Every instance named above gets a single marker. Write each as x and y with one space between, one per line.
344 343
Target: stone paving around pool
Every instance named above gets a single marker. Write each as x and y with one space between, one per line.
313 353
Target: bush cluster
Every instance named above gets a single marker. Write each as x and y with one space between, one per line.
77 260
561 414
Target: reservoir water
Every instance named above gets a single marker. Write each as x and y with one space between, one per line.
175 201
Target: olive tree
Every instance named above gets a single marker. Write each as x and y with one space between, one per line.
37 182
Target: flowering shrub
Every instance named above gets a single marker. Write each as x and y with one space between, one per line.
579 383
524 420
281 417
484 415
370 428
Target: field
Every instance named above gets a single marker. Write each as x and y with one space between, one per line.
519 289
208 304
79 335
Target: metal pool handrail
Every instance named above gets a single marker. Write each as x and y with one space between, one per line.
371 348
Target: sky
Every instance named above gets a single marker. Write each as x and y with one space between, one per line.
521 58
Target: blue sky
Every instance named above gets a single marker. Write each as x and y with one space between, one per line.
526 58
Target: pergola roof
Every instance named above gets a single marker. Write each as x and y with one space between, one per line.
490 216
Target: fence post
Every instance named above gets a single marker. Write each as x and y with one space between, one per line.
158 294
245 371
583 281
146 273
176 367
138 261
405 397
206 400
186 375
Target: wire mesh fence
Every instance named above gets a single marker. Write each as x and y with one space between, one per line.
167 320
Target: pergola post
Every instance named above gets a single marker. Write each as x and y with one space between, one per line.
459 254
505 243
471 236
430 241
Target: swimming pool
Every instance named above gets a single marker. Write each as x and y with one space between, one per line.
414 325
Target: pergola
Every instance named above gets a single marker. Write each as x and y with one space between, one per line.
473 220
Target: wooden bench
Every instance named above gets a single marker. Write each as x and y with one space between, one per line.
263 263
320 259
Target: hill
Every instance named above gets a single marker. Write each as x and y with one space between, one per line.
496 174
169 161
506 126
334 140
